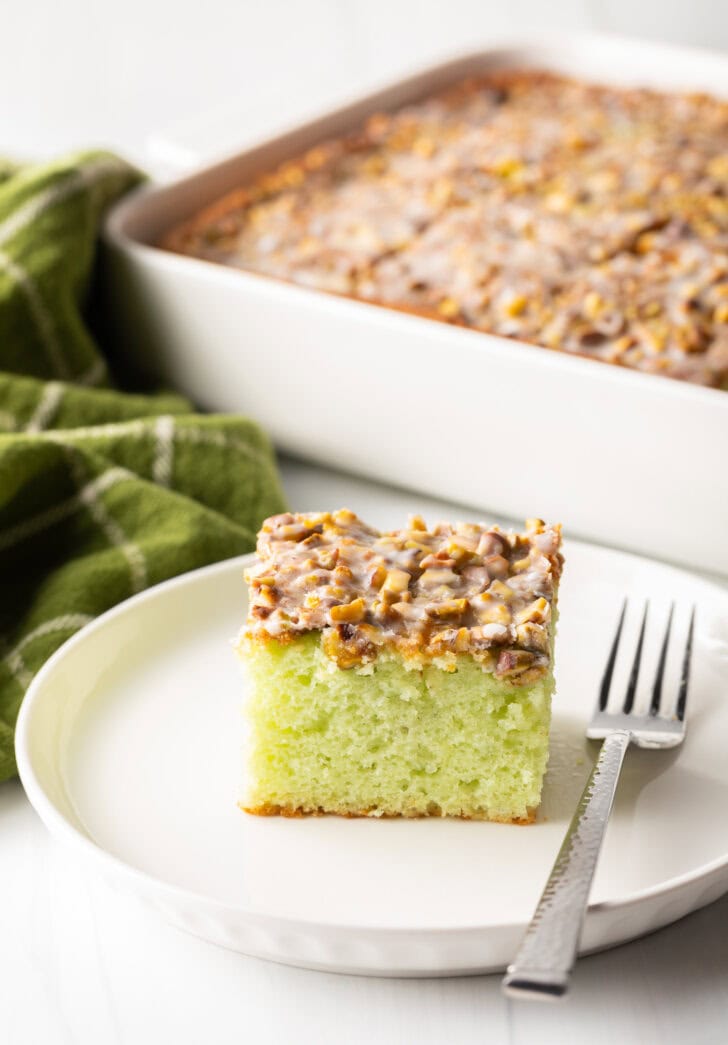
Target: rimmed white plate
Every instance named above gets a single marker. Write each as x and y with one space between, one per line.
128 745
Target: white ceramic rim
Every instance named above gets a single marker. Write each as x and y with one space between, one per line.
497 344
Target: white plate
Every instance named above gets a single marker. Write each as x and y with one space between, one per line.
129 748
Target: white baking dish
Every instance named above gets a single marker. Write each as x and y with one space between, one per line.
627 458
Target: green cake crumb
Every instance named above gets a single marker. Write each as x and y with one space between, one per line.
392 741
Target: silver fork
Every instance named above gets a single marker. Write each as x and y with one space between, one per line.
543 965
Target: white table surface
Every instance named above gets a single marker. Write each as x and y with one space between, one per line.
80 963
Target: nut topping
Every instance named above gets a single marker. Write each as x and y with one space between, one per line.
447 608
428 593
538 611
584 218
397 581
352 612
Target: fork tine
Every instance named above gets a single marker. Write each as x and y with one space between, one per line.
635 672
685 674
657 688
609 669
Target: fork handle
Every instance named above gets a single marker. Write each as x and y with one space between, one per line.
543 965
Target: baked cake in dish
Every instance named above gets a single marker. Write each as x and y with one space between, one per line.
407 673
585 218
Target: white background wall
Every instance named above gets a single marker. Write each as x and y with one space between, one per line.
83 72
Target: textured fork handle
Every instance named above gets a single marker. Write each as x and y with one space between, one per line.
547 954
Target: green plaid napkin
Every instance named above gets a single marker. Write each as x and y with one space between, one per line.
102 493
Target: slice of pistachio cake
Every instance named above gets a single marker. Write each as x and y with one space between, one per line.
406 673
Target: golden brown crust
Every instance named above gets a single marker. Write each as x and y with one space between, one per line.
296 812
573 216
